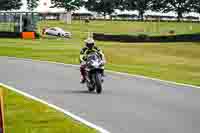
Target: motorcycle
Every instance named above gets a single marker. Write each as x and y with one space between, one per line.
94 73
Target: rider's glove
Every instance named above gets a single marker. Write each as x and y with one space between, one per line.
84 58
104 61
83 63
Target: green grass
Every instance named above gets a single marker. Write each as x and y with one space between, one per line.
126 27
23 115
9 26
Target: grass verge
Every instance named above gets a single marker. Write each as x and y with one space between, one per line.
24 115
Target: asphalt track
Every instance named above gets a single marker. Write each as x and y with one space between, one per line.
127 105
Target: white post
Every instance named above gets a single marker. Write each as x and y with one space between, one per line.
21 21
90 34
67 17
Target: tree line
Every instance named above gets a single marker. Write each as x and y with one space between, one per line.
6 5
107 7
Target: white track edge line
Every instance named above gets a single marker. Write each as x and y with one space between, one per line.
121 73
73 116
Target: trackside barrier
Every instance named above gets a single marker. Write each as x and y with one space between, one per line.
28 35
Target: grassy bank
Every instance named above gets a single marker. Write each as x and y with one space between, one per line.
23 115
125 27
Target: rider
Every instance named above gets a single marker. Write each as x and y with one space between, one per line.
88 49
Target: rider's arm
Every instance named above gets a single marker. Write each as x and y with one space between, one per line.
82 55
103 57
101 54
81 58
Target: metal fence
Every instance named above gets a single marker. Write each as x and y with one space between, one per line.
18 21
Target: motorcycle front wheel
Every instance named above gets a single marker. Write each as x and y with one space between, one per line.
98 83
90 87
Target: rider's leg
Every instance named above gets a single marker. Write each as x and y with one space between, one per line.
83 76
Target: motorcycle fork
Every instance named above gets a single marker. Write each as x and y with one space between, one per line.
89 77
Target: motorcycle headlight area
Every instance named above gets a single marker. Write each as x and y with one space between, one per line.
95 64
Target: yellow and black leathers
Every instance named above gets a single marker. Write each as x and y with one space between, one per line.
86 51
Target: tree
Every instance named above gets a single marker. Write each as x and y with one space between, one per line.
32 4
197 6
140 5
178 6
68 5
105 7
10 4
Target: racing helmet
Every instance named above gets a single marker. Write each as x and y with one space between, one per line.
89 43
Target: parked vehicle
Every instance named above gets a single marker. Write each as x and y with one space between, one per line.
56 31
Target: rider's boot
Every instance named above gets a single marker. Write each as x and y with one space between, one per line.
103 75
82 81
